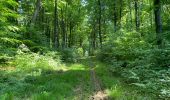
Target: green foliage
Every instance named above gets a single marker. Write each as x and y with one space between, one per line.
146 72
138 63
35 61
10 42
4 59
28 43
160 57
44 83
115 93
72 54
29 70
126 47
40 49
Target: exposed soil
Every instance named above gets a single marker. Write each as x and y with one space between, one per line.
99 94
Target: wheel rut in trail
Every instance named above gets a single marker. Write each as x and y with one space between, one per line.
96 84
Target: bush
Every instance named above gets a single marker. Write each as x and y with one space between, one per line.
10 42
4 59
40 49
72 54
149 72
139 64
29 61
160 57
127 47
29 43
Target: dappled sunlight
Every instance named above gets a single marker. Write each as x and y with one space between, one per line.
84 50
39 84
78 67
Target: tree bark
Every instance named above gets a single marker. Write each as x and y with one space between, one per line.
99 20
115 16
63 29
158 22
151 14
56 32
120 13
137 16
36 12
70 36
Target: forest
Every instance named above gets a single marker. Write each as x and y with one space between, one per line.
84 49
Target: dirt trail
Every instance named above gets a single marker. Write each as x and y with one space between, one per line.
99 94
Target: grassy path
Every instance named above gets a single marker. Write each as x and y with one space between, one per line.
86 80
99 94
108 86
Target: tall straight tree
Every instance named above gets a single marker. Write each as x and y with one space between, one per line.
63 27
137 16
99 22
115 15
120 12
56 33
158 22
36 12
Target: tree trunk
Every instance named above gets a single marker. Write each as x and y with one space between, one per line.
130 26
63 29
36 12
151 14
115 16
158 22
120 13
99 20
137 19
56 33
70 36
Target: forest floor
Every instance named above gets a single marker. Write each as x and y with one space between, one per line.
84 80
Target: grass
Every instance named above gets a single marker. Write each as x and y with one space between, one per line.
64 83
41 77
48 79
116 88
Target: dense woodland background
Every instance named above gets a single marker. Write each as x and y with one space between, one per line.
128 40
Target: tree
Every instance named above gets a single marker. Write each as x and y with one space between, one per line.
36 11
158 22
137 16
99 22
56 32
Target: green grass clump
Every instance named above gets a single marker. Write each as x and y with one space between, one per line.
42 77
115 93
29 61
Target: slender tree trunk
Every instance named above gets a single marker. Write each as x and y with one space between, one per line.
66 27
94 37
120 13
36 12
130 16
158 22
137 18
99 20
151 14
70 36
56 32
63 29
115 16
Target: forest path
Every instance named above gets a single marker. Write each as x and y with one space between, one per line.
99 94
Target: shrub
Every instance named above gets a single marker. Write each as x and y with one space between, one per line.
4 59
72 54
29 61
37 49
10 42
29 43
